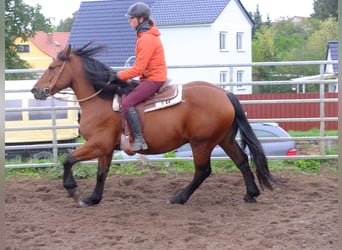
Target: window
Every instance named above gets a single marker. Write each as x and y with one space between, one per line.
239 39
223 76
15 115
24 48
262 133
239 76
46 115
223 41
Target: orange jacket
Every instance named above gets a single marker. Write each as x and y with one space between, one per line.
150 60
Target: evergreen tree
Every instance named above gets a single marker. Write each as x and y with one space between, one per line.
257 18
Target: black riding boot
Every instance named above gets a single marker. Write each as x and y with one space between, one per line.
134 122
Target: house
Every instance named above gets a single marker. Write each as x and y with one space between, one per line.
330 70
332 55
193 33
39 50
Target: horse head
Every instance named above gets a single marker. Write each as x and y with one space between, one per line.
61 74
49 83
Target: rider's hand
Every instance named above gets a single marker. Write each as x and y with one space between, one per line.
113 77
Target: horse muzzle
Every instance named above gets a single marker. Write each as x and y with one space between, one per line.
40 94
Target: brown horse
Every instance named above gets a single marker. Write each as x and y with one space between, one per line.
207 116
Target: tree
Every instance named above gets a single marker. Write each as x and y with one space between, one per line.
291 41
263 50
257 18
315 47
66 25
324 9
258 23
21 21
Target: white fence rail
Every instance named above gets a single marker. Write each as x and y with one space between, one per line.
323 140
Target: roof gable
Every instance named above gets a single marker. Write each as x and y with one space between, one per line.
50 43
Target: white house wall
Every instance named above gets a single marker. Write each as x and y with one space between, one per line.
199 45
329 67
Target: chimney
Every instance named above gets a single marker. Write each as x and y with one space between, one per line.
49 37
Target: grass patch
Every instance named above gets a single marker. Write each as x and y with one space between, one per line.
82 171
311 132
26 172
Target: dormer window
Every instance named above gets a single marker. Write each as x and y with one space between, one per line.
24 48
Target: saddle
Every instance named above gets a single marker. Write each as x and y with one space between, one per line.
168 95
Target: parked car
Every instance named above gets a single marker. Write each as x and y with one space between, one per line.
264 131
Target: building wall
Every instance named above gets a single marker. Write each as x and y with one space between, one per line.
329 67
36 58
199 45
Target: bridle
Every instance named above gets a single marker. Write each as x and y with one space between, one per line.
47 91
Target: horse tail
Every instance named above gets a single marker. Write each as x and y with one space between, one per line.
249 138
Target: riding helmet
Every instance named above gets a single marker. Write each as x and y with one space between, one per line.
139 9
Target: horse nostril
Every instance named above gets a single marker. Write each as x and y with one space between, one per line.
34 90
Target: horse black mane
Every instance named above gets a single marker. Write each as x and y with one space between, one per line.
99 73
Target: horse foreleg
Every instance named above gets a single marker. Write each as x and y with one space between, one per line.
102 173
69 182
202 171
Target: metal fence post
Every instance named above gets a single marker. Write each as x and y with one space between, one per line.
54 132
321 109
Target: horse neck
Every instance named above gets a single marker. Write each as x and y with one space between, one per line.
81 85
83 90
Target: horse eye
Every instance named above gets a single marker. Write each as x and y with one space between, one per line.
51 68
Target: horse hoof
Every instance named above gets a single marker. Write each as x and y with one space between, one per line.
83 204
175 200
249 199
89 201
76 195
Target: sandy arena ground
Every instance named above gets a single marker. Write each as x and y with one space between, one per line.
302 214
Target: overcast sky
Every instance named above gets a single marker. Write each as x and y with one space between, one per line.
63 9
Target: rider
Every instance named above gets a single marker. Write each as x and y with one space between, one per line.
149 66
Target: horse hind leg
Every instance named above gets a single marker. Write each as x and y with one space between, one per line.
240 159
202 171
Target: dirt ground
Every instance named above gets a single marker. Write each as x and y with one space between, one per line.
302 214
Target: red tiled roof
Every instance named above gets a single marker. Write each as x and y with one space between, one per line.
50 43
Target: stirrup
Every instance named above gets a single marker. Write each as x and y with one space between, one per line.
139 144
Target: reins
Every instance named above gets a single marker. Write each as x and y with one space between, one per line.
79 100
50 86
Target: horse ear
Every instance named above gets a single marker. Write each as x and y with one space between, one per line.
67 50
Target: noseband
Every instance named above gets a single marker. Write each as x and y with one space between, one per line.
47 90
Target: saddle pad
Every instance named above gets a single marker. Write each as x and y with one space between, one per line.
167 102
163 103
